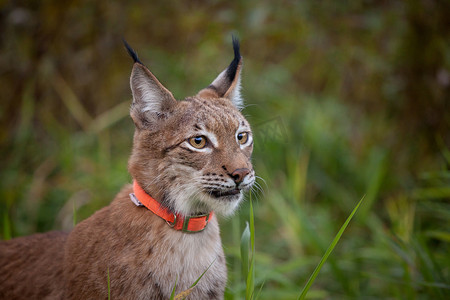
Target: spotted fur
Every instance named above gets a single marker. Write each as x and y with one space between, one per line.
140 254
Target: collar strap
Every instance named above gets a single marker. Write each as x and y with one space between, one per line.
176 221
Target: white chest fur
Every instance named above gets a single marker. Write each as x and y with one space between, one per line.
181 258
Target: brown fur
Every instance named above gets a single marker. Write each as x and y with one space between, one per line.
32 267
142 256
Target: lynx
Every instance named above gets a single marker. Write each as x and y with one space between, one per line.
190 162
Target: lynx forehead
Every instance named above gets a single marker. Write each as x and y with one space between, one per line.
192 155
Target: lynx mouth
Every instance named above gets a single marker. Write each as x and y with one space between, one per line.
218 194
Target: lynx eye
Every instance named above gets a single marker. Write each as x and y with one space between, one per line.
198 142
242 138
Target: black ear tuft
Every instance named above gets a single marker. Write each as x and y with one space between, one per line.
232 68
131 52
237 54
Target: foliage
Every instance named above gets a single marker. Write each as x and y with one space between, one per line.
346 99
327 253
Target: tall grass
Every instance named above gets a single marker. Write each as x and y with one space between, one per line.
397 247
247 249
108 284
248 255
327 253
344 99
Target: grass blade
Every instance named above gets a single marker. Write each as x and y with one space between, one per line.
172 295
72 102
6 227
110 117
250 280
245 242
198 279
74 214
250 287
252 226
328 252
109 286
186 293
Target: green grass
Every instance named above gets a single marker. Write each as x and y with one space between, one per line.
185 294
345 99
247 249
327 253
248 254
397 246
109 284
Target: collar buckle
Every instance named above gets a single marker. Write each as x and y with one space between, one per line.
172 224
188 218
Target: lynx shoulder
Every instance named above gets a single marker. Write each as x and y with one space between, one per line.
191 161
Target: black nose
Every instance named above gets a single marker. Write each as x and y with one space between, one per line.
239 174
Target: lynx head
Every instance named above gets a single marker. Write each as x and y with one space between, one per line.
193 155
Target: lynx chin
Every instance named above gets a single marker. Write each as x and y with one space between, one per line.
190 161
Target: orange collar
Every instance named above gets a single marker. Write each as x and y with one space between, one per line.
176 221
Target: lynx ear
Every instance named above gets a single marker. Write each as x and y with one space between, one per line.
228 83
151 100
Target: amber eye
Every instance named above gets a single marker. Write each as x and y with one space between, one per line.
242 138
198 142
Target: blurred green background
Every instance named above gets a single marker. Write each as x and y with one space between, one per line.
346 98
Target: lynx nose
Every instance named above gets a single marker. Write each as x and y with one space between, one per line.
239 174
